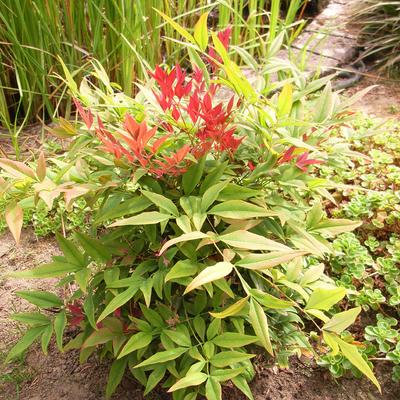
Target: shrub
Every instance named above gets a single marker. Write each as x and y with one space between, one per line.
204 208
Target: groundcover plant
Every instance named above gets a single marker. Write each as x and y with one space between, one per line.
203 211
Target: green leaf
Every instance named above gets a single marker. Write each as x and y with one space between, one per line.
101 336
147 218
222 375
180 338
234 339
239 209
339 322
162 202
31 318
181 269
163 356
227 358
241 383
268 260
40 298
231 310
325 104
154 378
51 270
94 247
270 301
324 299
129 206
259 322
250 241
70 251
88 307
352 354
46 337
211 194
285 100
213 328
192 176
116 373
194 379
30 336
201 32
333 227
119 300
183 238
210 274
137 341
213 389
60 322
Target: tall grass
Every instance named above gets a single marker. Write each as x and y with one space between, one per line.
126 36
380 32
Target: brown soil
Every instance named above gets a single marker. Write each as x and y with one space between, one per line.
60 376
382 101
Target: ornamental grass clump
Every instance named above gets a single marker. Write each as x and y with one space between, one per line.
204 206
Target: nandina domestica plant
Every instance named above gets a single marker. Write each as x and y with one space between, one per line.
204 208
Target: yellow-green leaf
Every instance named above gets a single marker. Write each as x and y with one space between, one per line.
250 241
324 299
352 354
210 274
178 28
201 32
339 322
146 218
231 310
285 100
259 322
183 238
194 379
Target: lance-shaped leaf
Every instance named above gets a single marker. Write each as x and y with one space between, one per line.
146 218
30 336
200 32
17 168
51 270
234 339
324 299
231 310
15 218
163 356
239 209
250 241
227 358
193 379
339 322
136 342
259 322
40 298
41 167
210 274
270 301
333 227
162 202
352 354
120 300
183 238
268 260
